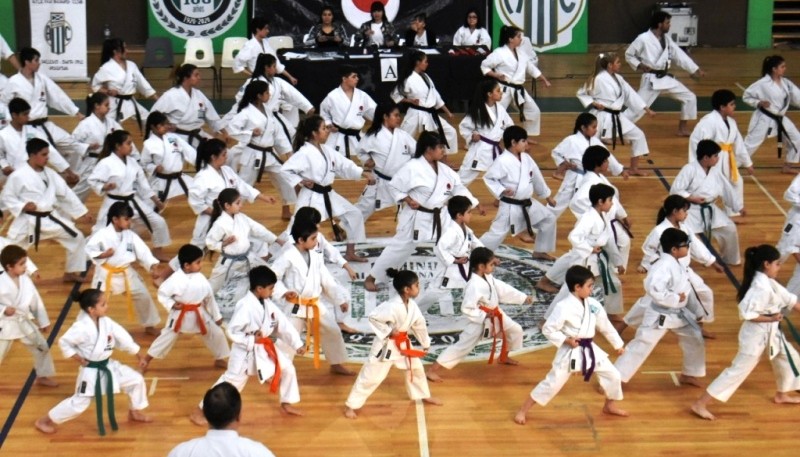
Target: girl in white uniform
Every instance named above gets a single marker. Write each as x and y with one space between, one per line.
163 157
605 93
90 341
763 303
415 89
472 33
345 109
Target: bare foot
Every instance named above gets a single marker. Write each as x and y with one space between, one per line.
74 277
198 418
702 412
370 285
353 257
520 418
683 133
151 331
785 398
221 363
496 203
432 401
546 286
45 425
709 335
542 256
44 381
291 410
526 237
286 213
433 377
790 170
350 413
346 328
558 176
138 416
689 380
637 172
612 409
509 361
341 370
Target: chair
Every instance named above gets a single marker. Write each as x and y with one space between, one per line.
280 42
230 47
158 53
200 52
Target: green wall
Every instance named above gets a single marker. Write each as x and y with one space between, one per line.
759 24
7 28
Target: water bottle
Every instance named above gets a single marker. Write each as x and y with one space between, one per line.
106 32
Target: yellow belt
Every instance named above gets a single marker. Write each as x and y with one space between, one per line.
728 147
312 324
111 271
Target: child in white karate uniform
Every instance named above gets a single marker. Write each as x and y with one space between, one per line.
392 321
90 341
763 303
163 157
345 110
571 328
482 128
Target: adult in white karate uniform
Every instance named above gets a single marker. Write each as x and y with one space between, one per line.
654 53
44 207
121 79
510 65
701 182
345 110
423 185
163 157
472 33
789 243
605 93
416 90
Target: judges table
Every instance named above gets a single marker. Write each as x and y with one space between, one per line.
317 72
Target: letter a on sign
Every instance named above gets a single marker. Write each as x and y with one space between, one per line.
388 70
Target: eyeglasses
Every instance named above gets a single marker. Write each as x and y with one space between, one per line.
682 245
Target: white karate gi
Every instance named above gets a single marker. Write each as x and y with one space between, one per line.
781 96
192 288
420 86
477 37
205 188
515 65
5 116
524 177
13 153
247 56
221 442
170 152
390 150
572 318
306 274
188 111
132 183
765 296
42 93
344 112
646 49
321 166
580 204
93 131
5 53
24 324
489 292
790 236
613 92
50 193
431 189
392 315
96 343
733 155
481 154
128 248
692 180
666 280
30 267
126 81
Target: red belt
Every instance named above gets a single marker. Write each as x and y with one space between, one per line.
269 346
496 317
188 308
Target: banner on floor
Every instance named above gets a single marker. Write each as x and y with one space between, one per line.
552 25
180 20
58 32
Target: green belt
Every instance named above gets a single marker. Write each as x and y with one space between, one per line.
605 274
102 368
796 337
707 223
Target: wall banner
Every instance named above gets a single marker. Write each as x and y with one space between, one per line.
58 32
182 19
552 25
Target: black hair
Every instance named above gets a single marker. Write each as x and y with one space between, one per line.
184 72
377 6
477 106
754 258
479 24
27 55
306 129
93 101
658 17
427 140
480 256
707 148
308 213
226 197
327 8
384 109
402 279
118 209
34 145
87 298
346 70
584 119
671 204
577 275
189 253
721 98
413 57
222 405
261 276
421 17
11 254
593 157
263 62
459 204
18 106
258 22
303 230
513 133
154 119
672 238
770 63
600 192
109 46
251 93
214 147
507 32
113 141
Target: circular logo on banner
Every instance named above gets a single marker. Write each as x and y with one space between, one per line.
516 268
357 11
548 23
197 18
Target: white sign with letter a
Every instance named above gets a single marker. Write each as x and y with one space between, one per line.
389 70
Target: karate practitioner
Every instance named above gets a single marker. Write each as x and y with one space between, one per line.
345 109
163 157
245 60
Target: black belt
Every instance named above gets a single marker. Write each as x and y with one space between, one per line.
172 177
435 115
496 149
41 123
660 73
520 90
381 175
264 150
524 204
338 234
437 220
37 230
283 126
463 271
616 126
93 155
191 134
130 98
781 131
130 199
614 229
347 134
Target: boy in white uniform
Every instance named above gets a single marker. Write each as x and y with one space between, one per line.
345 110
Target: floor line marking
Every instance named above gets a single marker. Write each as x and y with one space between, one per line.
422 430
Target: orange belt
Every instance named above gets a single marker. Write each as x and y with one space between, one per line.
312 324
187 308
731 161
497 323
111 271
404 346
269 346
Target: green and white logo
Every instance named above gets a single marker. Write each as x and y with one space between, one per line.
548 23
197 18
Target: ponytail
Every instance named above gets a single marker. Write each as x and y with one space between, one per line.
306 129
112 142
226 197
155 118
671 204
251 93
206 150
93 100
402 279
754 258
